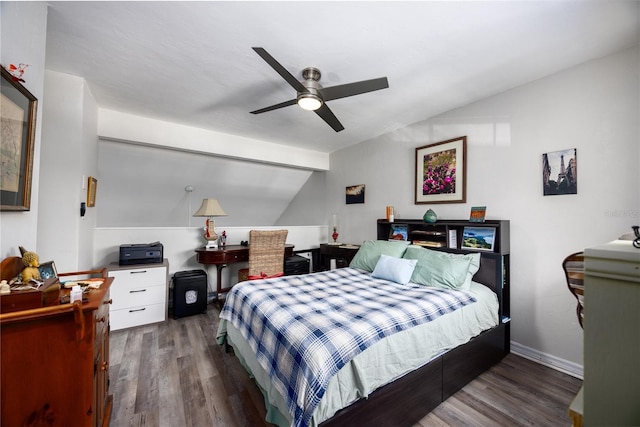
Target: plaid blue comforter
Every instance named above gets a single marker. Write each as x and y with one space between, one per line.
305 328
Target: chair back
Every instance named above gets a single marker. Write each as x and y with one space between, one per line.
573 266
266 252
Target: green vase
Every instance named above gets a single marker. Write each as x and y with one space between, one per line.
430 216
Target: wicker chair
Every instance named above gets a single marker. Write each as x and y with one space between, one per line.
266 254
573 266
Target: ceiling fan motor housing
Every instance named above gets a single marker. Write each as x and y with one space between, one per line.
311 76
311 73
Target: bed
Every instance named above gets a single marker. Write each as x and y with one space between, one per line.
403 347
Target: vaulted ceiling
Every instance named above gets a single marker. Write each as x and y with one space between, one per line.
192 62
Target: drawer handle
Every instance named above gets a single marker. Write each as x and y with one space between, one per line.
138 272
105 366
101 320
138 290
138 309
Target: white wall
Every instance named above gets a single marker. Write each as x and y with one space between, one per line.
23 29
308 205
593 108
144 186
69 150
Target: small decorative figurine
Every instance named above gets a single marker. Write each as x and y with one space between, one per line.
223 239
31 262
430 216
17 72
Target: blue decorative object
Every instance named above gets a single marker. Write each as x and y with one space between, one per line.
430 216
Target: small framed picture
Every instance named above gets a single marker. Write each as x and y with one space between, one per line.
560 172
354 194
479 238
399 232
91 192
477 213
48 270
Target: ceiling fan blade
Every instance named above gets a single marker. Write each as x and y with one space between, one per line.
280 69
351 89
275 107
327 115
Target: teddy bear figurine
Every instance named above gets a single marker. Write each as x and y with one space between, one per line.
31 262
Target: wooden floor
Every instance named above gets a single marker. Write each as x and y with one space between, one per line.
173 374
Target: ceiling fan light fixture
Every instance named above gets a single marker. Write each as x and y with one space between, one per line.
309 101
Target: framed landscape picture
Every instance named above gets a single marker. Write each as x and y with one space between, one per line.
441 172
479 238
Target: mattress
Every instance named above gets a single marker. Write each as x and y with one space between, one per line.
381 363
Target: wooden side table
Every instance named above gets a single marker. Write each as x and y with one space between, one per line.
343 254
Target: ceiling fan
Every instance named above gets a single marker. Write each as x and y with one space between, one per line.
312 96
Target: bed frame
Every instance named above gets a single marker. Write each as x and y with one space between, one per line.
408 399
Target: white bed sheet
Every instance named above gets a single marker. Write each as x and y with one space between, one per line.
381 363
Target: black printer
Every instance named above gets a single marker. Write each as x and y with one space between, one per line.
141 253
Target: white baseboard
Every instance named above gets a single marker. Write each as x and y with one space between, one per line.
562 365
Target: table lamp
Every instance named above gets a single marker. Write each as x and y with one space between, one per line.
209 209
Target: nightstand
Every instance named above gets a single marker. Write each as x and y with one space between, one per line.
139 294
343 254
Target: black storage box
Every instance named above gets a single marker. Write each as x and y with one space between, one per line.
296 265
189 293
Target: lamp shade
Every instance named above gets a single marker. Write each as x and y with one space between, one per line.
210 207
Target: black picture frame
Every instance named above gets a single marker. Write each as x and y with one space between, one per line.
560 172
354 194
48 270
18 109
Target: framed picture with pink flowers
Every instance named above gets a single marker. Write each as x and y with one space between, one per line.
441 172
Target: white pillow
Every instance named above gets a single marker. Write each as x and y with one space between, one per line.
397 270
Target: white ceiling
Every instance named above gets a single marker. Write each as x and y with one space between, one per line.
192 62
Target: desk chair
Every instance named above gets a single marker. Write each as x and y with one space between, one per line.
573 266
266 254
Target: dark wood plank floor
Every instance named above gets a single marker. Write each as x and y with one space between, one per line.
174 374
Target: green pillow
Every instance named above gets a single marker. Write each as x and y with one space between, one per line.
369 253
440 269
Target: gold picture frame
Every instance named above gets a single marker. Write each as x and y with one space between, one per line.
441 172
92 187
17 138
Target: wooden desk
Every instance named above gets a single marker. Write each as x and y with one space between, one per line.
221 257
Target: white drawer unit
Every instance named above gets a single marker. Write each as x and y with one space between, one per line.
139 294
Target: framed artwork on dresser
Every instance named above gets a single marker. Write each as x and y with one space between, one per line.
441 172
